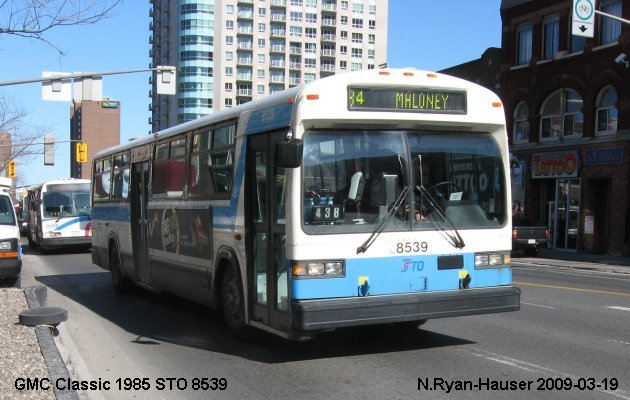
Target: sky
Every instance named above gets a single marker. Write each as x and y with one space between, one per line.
429 35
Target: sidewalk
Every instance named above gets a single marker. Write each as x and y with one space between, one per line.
566 259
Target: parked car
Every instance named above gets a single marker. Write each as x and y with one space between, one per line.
528 238
10 247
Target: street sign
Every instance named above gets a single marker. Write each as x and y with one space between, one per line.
166 80
583 18
57 90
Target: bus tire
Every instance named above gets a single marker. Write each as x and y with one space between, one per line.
121 283
232 303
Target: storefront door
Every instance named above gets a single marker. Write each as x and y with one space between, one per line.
565 216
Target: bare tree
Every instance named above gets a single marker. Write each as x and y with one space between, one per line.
34 18
18 139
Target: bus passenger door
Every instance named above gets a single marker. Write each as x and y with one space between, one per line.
267 267
139 238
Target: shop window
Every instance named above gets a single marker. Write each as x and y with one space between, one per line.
521 124
607 112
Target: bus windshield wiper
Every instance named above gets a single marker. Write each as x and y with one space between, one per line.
453 237
392 211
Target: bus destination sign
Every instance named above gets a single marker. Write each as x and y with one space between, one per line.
406 100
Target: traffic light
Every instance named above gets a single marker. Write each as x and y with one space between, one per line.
12 173
81 152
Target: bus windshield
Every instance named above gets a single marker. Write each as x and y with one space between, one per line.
67 203
352 178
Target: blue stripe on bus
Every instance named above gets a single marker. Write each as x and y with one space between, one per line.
118 213
394 275
72 222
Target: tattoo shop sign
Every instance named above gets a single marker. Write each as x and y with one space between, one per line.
556 164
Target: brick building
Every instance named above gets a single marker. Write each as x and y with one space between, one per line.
567 102
96 123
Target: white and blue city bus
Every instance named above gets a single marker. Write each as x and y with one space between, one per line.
59 214
378 196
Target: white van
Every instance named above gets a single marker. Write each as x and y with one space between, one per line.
10 247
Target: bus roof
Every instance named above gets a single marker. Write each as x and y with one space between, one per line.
60 181
328 89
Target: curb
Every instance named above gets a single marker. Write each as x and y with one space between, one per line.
36 296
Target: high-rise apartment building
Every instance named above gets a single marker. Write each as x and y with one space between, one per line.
229 52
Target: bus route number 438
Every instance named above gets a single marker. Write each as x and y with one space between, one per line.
327 213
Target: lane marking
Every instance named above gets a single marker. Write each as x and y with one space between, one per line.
572 288
617 308
537 305
538 369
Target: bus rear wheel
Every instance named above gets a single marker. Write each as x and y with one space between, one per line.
121 283
232 302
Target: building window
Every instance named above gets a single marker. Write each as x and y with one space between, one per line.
357 38
261 58
309 62
229 55
551 35
261 89
577 43
344 20
296 31
228 87
296 16
310 32
229 39
344 5
357 66
610 29
344 35
262 12
357 53
261 43
229 9
521 124
561 115
343 64
343 49
261 73
607 111
229 71
261 27
229 24
524 44
310 17
228 103
357 22
310 48
372 24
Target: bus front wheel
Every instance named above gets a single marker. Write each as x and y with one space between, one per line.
121 283
232 302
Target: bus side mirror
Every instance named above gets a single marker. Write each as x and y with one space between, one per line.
289 153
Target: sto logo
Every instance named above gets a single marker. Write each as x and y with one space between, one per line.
413 265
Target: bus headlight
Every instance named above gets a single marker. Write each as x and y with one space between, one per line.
5 246
492 260
318 269
9 249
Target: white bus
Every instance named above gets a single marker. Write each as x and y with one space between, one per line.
59 214
378 196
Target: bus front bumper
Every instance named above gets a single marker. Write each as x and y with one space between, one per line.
312 315
60 242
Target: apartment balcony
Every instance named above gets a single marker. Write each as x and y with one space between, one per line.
245 15
277 64
295 65
329 7
244 77
295 81
328 37
151 12
245 61
151 39
327 67
244 92
278 33
278 18
329 22
245 30
276 79
328 52
245 46
295 50
278 3
245 1
277 48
